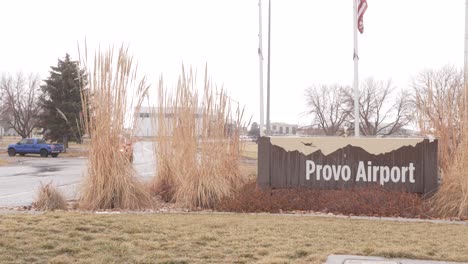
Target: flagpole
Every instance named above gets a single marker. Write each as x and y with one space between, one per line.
268 132
465 76
356 76
260 59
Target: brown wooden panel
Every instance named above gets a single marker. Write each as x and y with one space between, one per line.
263 164
278 168
430 166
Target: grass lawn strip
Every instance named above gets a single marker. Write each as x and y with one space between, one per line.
196 238
250 150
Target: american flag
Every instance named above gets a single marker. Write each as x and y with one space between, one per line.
362 6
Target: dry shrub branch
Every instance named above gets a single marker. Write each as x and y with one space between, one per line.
438 100
198 147
108 103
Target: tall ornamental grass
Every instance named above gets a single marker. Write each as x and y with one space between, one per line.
451 200
198 146
440 111
108 103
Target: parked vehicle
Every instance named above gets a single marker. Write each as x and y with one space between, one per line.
126 147
35 146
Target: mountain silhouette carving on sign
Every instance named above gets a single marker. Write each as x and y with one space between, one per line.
330 144
280 165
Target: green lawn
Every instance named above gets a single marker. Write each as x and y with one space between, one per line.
250 150
68 237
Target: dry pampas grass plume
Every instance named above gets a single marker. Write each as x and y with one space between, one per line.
111 94
198 143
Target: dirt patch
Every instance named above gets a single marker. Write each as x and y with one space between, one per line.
4 162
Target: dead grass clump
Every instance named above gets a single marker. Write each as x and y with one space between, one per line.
198 145
49 198
369 201
111 180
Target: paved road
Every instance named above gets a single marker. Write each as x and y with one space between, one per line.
20 181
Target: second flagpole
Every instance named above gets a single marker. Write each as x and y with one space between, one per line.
356 75
268 128
465 73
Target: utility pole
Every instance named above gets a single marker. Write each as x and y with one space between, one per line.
268 132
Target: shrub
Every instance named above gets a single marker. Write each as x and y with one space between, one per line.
49 198
370 201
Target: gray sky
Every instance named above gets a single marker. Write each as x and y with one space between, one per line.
312 41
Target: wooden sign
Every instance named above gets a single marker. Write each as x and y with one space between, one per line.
399 164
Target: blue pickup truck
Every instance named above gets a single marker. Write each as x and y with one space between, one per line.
35 146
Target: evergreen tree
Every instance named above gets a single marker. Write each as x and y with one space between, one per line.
61 103
254 131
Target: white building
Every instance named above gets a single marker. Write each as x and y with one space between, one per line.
6 130
283 129
147 121
144 127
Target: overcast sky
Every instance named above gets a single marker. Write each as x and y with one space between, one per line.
312 41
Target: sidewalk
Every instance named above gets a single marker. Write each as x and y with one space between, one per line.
350 259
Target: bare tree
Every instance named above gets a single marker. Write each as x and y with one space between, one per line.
19 96
328 106
438 97
378 114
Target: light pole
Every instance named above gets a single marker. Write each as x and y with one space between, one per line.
268 132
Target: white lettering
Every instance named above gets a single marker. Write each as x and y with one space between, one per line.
327 172
378 174
395 174
369 171
310 168
411 173
384 178
403 174
319 168
374 173
336 172
361 172
346 173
